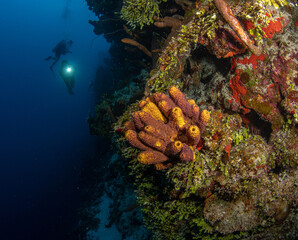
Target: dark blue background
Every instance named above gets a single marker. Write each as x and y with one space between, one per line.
43 129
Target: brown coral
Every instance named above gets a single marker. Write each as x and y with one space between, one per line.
166 128
138 45
226 12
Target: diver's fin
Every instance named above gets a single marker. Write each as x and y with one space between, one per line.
70 91
48 58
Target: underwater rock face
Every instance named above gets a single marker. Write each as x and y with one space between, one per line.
267 83
234 176
285 145
166 128
228 217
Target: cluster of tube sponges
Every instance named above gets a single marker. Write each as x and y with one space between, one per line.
166 129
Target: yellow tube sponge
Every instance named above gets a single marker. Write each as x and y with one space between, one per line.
174 148
152 141
151 157
153 110
205 117
175 93
132 137
165 107
142 103
178 118
187 154
147 119
191 102
193 135
196 112
162 166
129 125
137 120
166 128
180 100
158 133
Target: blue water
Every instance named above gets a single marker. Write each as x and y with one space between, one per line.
43 129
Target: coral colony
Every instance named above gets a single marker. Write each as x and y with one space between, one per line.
211 141
166 128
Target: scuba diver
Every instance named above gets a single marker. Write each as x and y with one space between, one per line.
67 73
62 48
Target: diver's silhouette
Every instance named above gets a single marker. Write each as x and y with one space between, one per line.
62 48
67 73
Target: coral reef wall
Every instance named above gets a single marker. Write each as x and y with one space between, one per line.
210 143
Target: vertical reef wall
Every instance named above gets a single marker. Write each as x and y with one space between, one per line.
203 119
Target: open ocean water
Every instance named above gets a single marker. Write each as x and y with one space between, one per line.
43 129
